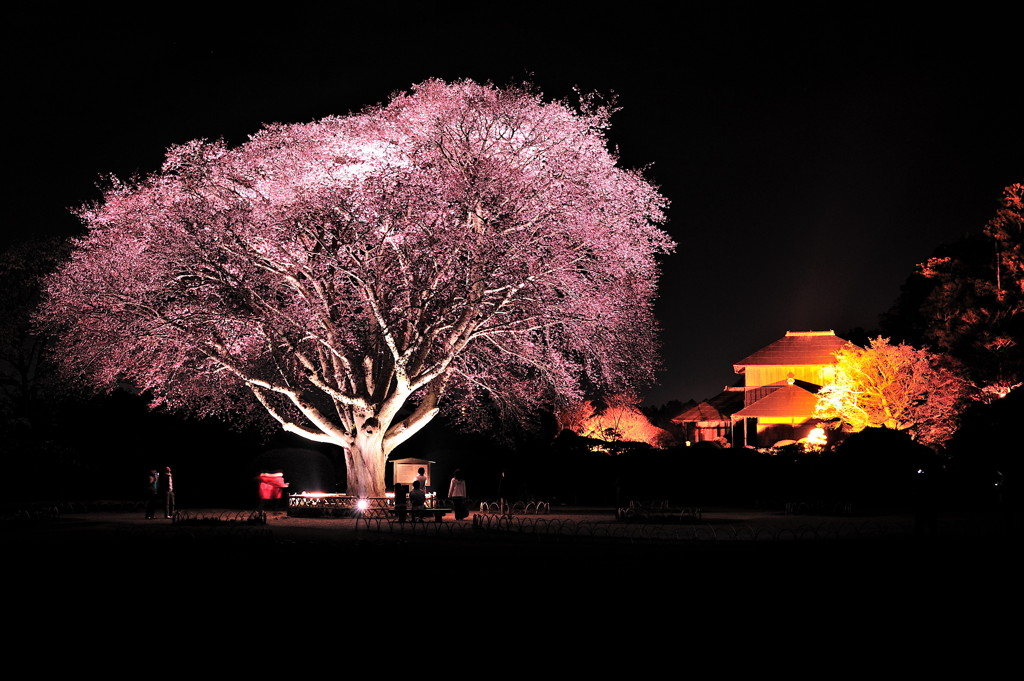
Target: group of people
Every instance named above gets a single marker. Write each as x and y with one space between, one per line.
160 487
456 493
418 494
160 491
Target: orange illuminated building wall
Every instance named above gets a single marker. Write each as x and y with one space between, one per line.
775 399
780 387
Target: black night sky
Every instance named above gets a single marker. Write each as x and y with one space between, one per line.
812 156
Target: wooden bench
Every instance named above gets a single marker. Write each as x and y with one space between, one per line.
419 514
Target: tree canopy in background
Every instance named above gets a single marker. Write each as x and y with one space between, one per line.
967 301
25 378
463 246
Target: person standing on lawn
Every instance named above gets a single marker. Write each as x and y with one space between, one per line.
167 486
457 495
152 493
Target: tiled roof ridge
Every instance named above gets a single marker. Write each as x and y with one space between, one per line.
798 348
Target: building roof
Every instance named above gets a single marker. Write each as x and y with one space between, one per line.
797 348
788 401
717 408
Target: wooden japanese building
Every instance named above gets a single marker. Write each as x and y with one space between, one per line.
780 387
711 420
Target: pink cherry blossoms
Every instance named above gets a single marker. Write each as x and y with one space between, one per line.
461 245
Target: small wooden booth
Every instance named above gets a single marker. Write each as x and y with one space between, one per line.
404 472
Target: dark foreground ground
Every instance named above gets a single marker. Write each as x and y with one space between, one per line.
740 586
90 532
564 549
577 586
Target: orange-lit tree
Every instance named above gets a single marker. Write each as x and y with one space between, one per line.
618 419
893 386
348 278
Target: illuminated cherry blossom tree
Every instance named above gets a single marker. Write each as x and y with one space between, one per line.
893 386
462 245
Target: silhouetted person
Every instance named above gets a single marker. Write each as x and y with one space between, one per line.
421 477
457 496
417 498
401 501
152 493
504 493
167 487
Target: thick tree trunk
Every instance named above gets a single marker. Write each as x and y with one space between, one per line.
367 454
364 463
